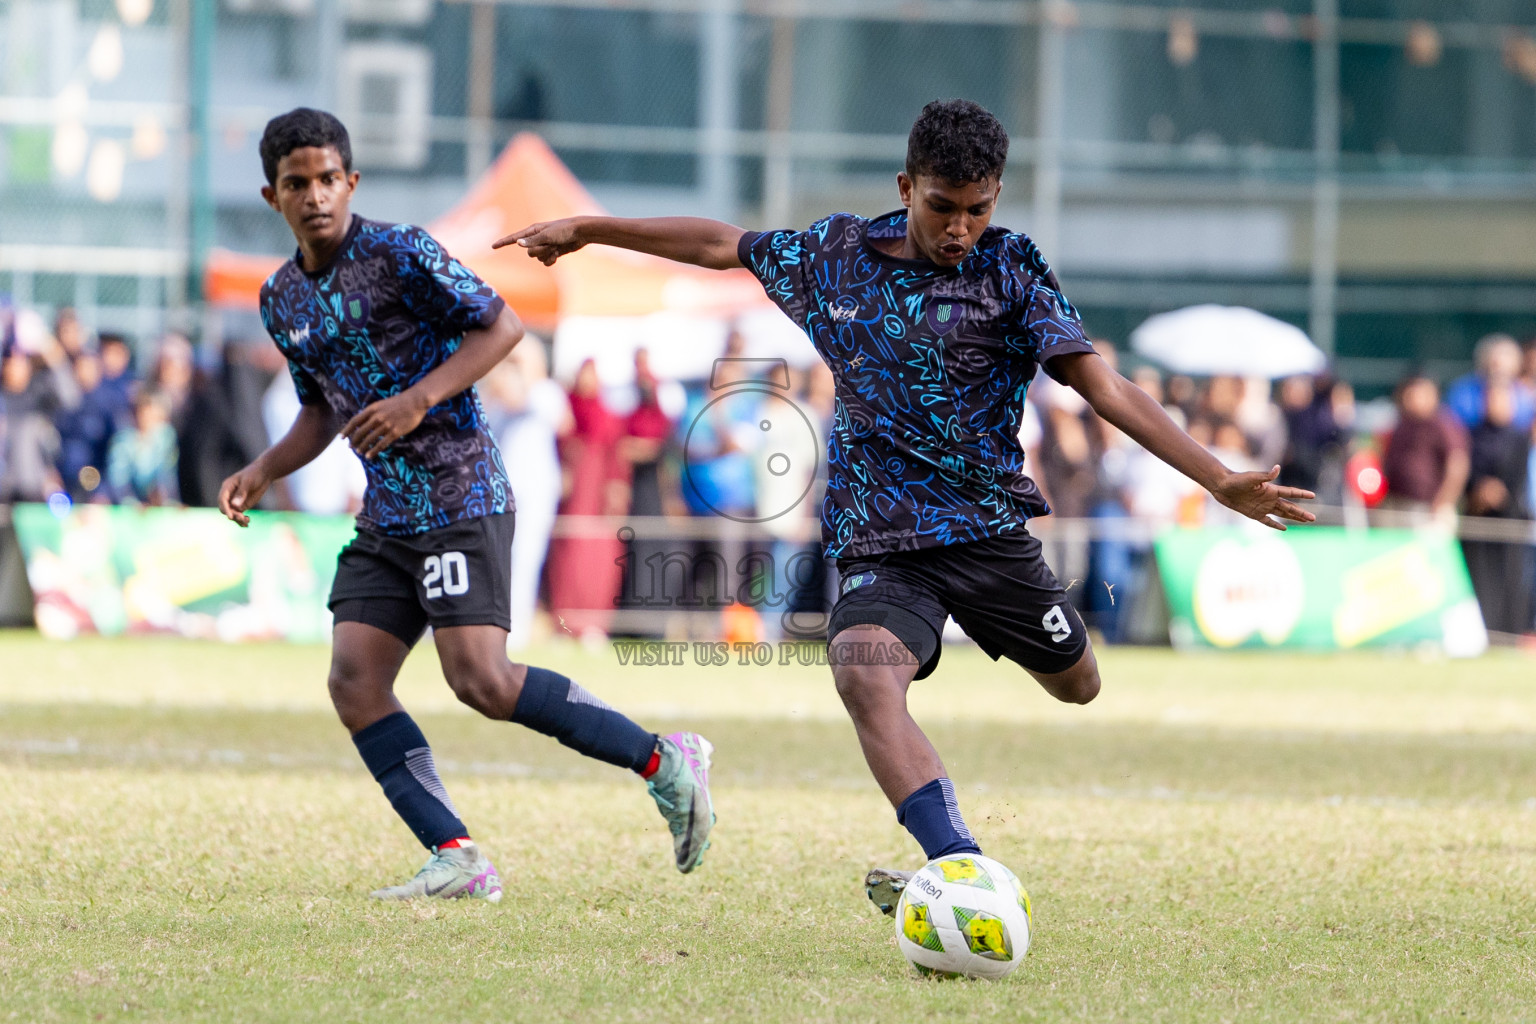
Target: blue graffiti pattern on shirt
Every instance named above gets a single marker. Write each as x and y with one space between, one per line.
931 367
389 309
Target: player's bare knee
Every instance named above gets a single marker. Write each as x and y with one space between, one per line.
352 693
345 682
487 689
1085 687
866 688
1080 685
470 685
1076 685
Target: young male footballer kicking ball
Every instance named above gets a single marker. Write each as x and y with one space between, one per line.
385 335
933 324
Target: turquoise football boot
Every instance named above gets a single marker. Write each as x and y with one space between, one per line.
680 788
460 873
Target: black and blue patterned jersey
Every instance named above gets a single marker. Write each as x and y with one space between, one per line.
388 309
931 367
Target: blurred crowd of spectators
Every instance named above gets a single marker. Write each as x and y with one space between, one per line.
1427 457
97 420
79 418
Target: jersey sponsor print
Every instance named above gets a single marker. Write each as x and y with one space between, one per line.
932 365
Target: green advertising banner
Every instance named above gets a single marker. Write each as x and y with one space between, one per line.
109 570
1319 588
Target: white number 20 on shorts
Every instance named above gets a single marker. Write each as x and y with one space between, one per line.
446 574
1056 621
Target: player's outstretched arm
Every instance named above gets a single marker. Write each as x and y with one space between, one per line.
306 439
705 243
1255 495
384 422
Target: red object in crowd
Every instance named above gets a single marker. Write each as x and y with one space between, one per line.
1364 478
586 563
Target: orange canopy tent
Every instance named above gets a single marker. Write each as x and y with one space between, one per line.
527 184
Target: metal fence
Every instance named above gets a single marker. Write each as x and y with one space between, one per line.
1365 168
675 600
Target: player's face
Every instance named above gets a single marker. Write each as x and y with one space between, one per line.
314 194
945 220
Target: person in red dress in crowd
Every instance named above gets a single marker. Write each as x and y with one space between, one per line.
585 568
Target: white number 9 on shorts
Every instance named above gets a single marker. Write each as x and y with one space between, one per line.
1056 622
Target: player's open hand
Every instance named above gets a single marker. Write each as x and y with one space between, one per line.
383 423
546 241
240 493
1257 496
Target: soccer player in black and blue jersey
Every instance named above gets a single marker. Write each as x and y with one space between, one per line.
385 335
933 323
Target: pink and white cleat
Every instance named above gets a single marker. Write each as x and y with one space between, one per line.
461 873
681 790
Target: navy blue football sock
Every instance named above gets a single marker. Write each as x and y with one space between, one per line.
932 815
397 754
556 706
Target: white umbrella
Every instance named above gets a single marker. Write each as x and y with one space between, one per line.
1210 340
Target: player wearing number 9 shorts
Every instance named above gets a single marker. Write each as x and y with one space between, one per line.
998 589
933 323
385 335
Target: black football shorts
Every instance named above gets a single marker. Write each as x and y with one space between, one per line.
999 590
456 575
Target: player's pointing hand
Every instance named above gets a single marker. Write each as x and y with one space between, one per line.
1257 496
546 241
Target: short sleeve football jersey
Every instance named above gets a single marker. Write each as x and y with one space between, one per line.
931 367
389 308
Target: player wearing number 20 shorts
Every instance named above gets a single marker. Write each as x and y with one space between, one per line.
455 575
385 335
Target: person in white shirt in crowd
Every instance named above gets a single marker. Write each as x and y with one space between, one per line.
1259 417
1230 443
1154 490
790 477
333 484
532 412
1066 470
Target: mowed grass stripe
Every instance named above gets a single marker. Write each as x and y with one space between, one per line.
1109 759
1361 692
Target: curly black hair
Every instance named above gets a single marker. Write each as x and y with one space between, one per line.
958 141
298 128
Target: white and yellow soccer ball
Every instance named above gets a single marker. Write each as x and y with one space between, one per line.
964 915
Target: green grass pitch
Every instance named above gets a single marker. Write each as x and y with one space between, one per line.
187 835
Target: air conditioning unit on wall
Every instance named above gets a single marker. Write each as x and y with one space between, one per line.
297 8
390 12
386 101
